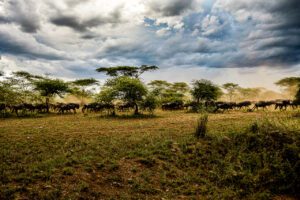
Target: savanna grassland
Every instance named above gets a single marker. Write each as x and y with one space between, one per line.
244 155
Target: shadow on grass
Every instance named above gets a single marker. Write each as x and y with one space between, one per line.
21 116
128 116
31 115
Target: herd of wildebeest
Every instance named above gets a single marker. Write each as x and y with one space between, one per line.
216 106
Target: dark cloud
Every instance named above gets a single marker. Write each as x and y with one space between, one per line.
23 14
281 33
16 45
170 7
69 21
288 14
89 36
85 24
3 19
29 25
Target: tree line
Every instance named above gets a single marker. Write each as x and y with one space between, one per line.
125 85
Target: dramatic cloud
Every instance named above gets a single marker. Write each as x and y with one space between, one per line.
170 7
84 25
15 42
79 36
23 13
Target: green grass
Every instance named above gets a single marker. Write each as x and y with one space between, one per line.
93 157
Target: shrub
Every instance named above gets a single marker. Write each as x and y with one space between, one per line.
201 128
149 103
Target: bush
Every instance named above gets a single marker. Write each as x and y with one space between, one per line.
149 103
260 163
201 128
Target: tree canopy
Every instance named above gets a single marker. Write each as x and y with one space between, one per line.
130 71
168 92
85 82
80 89
290 84
26 75
205 90
50 87
289 81
127 89
231 88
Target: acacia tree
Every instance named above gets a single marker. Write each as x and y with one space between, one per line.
50 87
7 92
80 88
125 84
130 71
205 90
168 92
23 84
231 88
124 88
18 87
249 93
290 85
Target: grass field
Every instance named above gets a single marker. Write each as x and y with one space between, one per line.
152 157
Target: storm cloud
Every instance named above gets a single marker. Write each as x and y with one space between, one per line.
170 7
23 13
83 25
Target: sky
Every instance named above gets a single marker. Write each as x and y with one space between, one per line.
252 43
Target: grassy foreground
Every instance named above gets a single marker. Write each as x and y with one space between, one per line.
244 156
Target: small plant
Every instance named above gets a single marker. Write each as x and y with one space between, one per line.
201 128
68 171
83 186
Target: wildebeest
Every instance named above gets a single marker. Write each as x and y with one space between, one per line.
68 107
263 104
243 104
23 106
126 107
56 107
283 104
176 105
91 107
224 106
97 107
41 107
2 107
295 104
191 105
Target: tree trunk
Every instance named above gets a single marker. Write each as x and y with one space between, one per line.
47 104
136 110
81 101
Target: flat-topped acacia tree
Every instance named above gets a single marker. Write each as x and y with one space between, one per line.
231 88
130 71
51 87
290 85
125 84
79 88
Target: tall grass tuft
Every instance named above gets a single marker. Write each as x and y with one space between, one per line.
201 128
